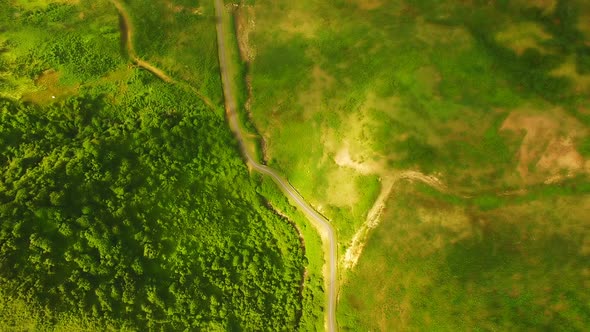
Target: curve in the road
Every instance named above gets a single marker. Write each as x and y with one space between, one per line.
319 222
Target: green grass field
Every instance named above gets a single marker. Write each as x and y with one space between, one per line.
409 86
438 267
179 35
491 98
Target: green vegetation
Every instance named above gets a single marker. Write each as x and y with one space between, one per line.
420 85
491 98
434 266
124 202
313 296
179 35
125 205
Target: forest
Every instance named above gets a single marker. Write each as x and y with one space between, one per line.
124 203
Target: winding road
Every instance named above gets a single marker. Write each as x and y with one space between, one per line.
322 225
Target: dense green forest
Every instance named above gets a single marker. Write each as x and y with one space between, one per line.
124 203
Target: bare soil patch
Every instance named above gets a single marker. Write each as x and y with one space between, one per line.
245 18
344 159
561 155
368 4
297 22
49 88
547 148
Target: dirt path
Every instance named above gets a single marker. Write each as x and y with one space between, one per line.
127 32
359 239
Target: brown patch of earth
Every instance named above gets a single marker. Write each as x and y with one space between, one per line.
547 143
561 155
344 159
300 23
245 20
49 88
368 4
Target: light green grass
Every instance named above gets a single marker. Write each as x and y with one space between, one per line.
430 266
179 37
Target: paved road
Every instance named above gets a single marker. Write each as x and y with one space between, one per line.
319 222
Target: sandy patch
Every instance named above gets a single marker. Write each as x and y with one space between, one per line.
538 129
562 160
561 155
368 4
522 36
49 88
352 145
547 146
301 23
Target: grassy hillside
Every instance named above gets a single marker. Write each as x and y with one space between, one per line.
491 97
436 266
484 104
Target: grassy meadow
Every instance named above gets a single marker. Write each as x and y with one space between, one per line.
179 36
491 98
444 89
439 267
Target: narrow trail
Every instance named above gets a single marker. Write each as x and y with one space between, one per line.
127 30
353 253
320 223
